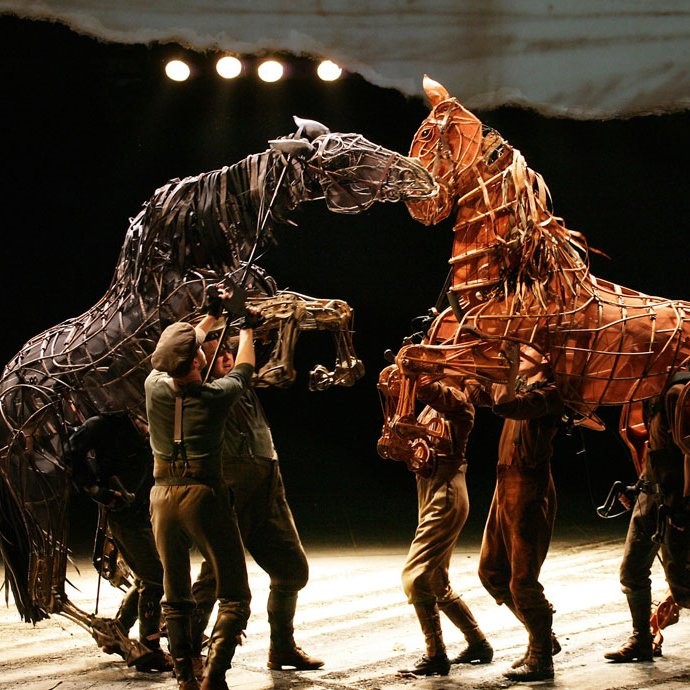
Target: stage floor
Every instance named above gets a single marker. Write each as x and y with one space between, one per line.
353 615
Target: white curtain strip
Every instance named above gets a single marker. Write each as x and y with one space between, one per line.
572 58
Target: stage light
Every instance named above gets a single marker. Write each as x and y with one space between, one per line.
177 70
328 70
229 67
270 70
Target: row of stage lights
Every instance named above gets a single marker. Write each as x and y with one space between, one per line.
230 67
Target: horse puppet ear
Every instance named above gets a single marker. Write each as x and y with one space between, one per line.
436 93
293 147
309 128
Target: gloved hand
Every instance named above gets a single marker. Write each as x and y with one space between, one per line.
252 319
213 302
108 497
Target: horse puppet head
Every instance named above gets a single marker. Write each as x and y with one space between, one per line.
448 143
507 240
224 217
350 172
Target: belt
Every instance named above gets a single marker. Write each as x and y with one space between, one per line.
168 473
185 481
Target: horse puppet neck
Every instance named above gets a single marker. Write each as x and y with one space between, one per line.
212 221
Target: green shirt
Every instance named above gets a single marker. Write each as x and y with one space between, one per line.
247 433
204 411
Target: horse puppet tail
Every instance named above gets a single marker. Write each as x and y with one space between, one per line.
34 504
17 554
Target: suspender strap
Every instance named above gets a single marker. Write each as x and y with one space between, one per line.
178 435
177 431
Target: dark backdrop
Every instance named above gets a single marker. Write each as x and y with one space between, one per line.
89 130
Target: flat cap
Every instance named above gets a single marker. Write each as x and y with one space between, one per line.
176 349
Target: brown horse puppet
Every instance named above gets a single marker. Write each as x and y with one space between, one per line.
520 276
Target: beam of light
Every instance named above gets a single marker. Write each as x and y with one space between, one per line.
177 70
270 70
229 67
329 71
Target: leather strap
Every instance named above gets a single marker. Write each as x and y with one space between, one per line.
178 434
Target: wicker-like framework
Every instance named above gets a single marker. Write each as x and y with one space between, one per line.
519 275
192 232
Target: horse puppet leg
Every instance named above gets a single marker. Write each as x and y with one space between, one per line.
335 316
108 634
287 314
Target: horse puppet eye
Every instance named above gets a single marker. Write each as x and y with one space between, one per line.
426 133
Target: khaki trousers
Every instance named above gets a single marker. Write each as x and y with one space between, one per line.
443 506
202 516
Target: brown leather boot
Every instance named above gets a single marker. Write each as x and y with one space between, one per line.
538 664
199 622
435 661
475 653
179 639
293 656
226 635
555 649
284 651
633 649
438 665
185 676
478 650
638 646
534 668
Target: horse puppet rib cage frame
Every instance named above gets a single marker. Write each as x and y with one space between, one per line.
519 276
192 232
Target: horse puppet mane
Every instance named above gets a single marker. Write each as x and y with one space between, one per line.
535 258
208 220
